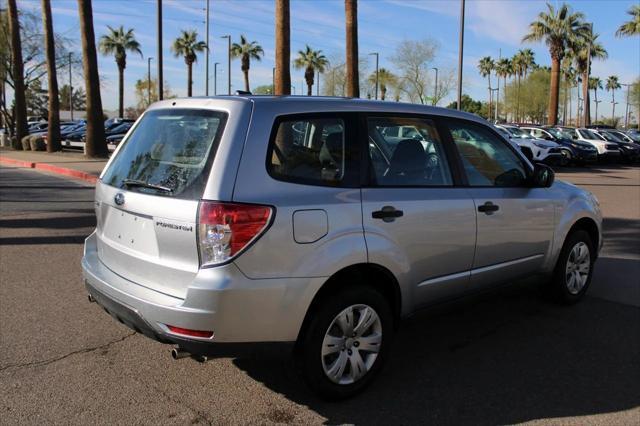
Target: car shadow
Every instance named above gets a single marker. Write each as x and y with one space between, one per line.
503 357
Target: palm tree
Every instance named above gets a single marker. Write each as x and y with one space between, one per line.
283 49
96 144
594 84
116 43
20 115
385 79
503 69
311 60
246 52
517 63
486 65
588 45
560 30
632 26
612 85
570 81
527 57
188 46
352 74
53 129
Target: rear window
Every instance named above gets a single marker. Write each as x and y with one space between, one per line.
167 153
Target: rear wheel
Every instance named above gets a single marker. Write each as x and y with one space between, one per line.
346 342
574 269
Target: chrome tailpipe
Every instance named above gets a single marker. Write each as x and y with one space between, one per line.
90 298
179 353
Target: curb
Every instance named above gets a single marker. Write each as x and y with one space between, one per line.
63 171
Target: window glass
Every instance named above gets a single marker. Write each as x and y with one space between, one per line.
167 153
406 152
486 159
309 151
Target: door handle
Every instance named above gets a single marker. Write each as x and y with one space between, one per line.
488 208
387 214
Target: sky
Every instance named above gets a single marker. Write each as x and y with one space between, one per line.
492 27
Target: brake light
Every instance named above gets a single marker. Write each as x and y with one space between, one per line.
225 229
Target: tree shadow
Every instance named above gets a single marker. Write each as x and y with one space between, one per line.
63 222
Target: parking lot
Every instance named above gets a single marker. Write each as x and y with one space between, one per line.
503 357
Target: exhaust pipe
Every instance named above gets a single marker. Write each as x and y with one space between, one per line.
179 353
90 298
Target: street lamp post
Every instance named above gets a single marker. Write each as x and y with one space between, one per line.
228 37
215 78
460 53
626 109
435 90
206 60
159 55
70 89
377 59
149 79
273 80
495 118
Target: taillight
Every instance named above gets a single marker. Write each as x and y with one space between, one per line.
225 229
191 333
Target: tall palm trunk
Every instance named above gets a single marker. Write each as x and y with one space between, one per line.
555 85
613 104
120 91
564 109
352 75
20 115
96 144
586 99
245 71
309 74
283 49
189 78
53 129
383 91
518 98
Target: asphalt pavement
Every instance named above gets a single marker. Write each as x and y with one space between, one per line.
504 357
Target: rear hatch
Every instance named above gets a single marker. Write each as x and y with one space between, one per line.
147 199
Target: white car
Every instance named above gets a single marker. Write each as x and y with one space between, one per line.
538 150
605 149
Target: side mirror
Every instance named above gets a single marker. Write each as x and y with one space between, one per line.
543 176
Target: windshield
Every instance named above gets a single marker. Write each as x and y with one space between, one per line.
588 134
518 132
611 137
168 149
558 133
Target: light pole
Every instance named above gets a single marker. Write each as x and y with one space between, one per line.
215 78
460 53
273 80
613 111
228 37
626 109
495 117
435 90
149 79
70 89
159 42
377 59
206 60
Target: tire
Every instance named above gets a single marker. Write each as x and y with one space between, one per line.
342 351
571 278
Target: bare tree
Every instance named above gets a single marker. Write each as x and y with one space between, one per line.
53 128
413 59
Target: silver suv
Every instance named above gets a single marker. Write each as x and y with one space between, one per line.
230 222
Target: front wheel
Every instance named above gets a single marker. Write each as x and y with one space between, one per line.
346 342
574 269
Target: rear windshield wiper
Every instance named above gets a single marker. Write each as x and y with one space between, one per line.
134 182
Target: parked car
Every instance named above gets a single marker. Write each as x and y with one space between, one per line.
230 222
579 153
629 136
629 151
606 150
121 128
540 150
114 140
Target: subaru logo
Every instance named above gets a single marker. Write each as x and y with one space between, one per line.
119 198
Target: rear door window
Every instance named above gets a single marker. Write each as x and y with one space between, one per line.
313 150
168 153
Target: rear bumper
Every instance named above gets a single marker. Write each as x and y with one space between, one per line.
223 300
